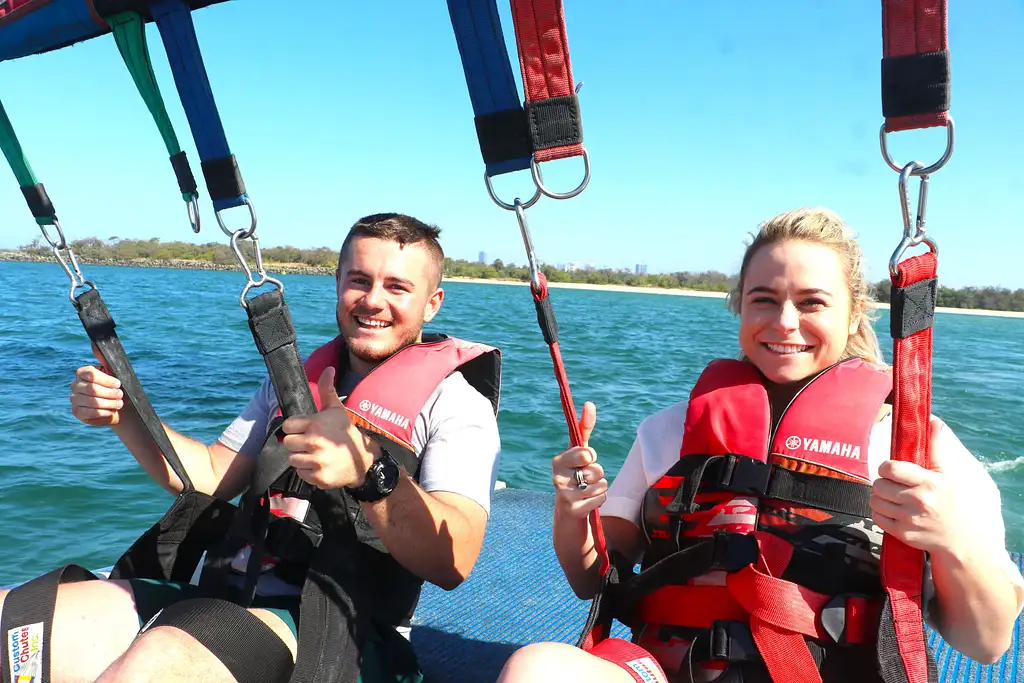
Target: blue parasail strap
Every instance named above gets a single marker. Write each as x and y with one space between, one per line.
501 124
223 178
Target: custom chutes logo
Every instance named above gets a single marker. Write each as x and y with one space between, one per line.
25 653
647 670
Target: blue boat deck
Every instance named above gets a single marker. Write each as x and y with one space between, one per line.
518 595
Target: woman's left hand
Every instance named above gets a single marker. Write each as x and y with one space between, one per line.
923 507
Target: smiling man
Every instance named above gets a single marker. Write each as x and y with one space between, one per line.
406 428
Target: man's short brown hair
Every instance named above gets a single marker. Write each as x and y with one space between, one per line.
397 227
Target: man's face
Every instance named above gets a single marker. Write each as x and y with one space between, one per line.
386 292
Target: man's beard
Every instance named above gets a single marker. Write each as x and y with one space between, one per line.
370 353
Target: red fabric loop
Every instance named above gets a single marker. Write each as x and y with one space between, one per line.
544 60
911 27
903 566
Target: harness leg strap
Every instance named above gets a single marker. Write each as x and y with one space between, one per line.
250 650
27 622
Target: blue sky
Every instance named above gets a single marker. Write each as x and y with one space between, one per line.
701 121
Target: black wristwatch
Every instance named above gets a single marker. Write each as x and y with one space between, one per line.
381 480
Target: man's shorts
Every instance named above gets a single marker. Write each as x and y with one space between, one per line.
387 657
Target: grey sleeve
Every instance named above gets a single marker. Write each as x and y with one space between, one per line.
462 449
248 431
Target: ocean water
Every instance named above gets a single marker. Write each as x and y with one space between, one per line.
71 493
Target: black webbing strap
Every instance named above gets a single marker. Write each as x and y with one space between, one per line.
723 551
38 201
27 623
99 325
740 474
250 650
270 322
725 641
913 308
337 597
249 526
223 178
183 174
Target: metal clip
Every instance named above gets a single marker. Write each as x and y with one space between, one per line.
913 230
260 278
538 178
921 170
531 257
193 213
246 234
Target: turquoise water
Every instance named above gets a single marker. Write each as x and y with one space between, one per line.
72 493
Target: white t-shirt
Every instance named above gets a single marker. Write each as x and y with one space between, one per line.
660 437
455 435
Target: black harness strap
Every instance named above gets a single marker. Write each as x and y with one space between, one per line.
740 474
250 649
100 327
27 620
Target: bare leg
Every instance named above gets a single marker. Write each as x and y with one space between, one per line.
559 663
168 655
94 623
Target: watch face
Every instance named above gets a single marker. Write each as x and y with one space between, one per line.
386 474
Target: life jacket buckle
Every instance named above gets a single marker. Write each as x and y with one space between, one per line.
850 618
732 552
743 474
726 641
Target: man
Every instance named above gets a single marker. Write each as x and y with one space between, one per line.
430 522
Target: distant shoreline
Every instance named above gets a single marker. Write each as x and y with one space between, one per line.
711 295
301 269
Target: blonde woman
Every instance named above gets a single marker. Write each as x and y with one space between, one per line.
802 420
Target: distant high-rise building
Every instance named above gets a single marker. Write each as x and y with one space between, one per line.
641 269
483 257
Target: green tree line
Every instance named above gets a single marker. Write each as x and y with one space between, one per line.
116 249
988 298
712 281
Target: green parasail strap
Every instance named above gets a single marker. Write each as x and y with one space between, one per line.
35 193
130 33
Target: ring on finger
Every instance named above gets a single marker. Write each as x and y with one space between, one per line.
581 479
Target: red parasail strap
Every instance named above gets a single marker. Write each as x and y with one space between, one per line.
546 319
915 64
552 107
913 308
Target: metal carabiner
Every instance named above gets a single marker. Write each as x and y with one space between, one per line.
261 277
252 224
62 243
538 178
914 232
71 269
531 257
921 170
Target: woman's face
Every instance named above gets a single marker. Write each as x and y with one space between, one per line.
795 312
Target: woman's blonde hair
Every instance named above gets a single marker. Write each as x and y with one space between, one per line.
821 226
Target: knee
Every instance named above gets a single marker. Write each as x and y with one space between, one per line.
535 663
148 656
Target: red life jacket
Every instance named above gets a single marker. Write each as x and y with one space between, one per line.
386 402
388 399
762 552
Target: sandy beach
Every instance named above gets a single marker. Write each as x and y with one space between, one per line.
693 292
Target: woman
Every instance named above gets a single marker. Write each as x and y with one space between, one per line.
805 326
